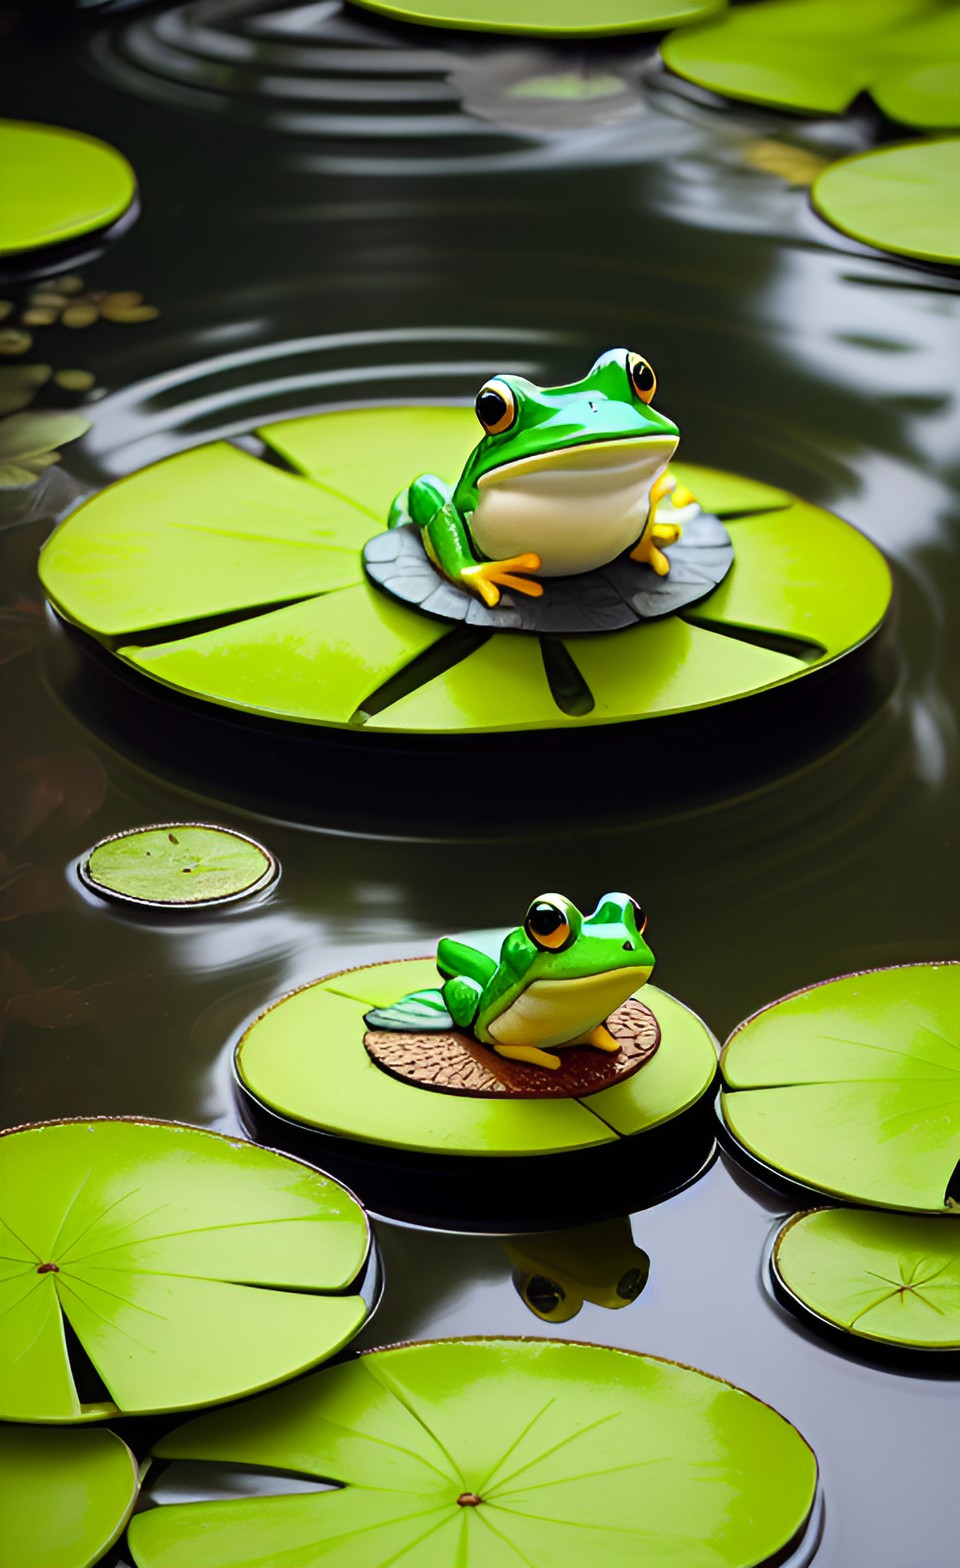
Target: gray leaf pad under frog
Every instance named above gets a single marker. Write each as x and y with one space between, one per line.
605 600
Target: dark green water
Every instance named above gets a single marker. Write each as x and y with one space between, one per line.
302 254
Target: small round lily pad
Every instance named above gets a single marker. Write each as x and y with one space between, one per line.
901 199
819 56
550 18
149 1266
58 186
455 1063
852 1087
499 1451
64 1496
302 635
176 864
890 1278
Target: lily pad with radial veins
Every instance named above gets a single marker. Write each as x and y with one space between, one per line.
190 1268
552 18
819 56
852 1087
64 1496
890 1278
492 1454
276 558
902 199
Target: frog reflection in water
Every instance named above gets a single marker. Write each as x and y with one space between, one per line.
564 480
558 978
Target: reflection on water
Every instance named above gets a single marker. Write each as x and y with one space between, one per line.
783 353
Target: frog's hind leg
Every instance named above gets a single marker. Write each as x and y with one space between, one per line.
528 1053
648 546
600 1038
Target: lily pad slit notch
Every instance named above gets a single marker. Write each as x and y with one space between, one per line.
144 867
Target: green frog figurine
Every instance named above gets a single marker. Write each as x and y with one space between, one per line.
564 480
558 978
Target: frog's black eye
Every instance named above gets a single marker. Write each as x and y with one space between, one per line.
548 924
642 378
496 407
640 916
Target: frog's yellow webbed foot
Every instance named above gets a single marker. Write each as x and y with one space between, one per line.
657 537
600 1038
528 1053
485 577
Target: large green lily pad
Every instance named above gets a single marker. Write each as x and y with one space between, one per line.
495 1453
852 1087
276 557
150 866
819 56
64 1496
553 18
191 1268
58 186
902 199
892 1278
304 1059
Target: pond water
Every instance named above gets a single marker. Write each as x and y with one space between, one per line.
387 218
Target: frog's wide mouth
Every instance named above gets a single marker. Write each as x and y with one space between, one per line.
643 457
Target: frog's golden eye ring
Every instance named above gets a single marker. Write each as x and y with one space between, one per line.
496 407
548 924
642 378
640 916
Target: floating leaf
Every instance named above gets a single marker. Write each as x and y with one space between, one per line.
19 385
495 1452
852 1087
191 1268
902 199
58 186
29 442
551 18
893 1278
178 863
64 1496
305 1058
819 56
276 557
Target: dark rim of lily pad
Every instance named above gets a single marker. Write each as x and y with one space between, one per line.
256 870
455 1063
614 596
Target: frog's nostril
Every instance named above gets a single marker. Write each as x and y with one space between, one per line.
628 947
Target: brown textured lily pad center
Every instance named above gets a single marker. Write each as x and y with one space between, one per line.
456 1064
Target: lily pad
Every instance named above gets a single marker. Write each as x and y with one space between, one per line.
305 1059
58 186
852 1087
552 18
496 1451
64 1496
149 866
276 557
187 1267
901 199
891 1278
818 56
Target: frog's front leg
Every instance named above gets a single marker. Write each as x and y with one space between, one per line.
657 537
528 1053
461 997
447 543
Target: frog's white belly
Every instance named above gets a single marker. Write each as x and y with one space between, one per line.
550 1012
577 508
